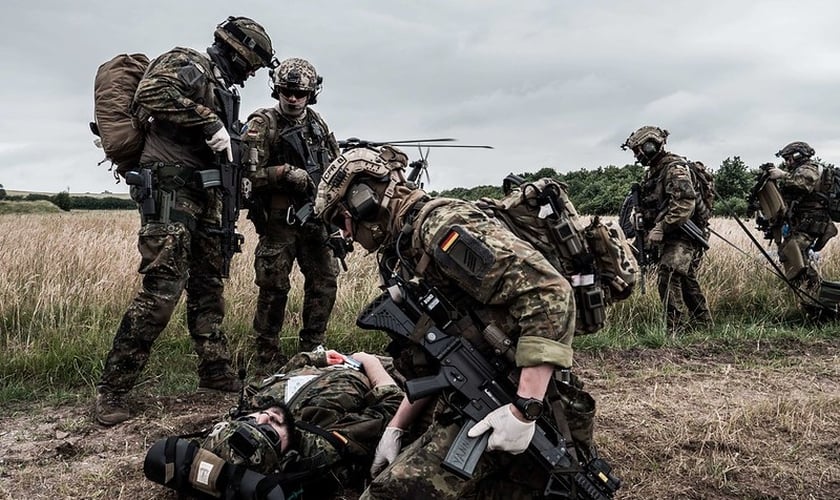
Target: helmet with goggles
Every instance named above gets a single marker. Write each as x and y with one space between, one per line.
346 185
295 76
646 142
244 442
796 152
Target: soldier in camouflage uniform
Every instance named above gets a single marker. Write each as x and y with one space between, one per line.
180 245
289 145
487 273
670 197
809 226
318 418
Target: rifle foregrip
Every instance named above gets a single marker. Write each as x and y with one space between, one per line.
419 388
465 452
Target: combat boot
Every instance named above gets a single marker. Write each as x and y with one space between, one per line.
225 382
111 408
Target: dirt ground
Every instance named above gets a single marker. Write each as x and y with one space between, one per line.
756 421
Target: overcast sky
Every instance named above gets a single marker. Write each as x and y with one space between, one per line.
548 83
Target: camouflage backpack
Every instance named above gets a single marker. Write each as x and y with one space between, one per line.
704 184
116 121
594 257
829 187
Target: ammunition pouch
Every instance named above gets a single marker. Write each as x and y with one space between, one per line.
829 293
830 231
589 304
180 464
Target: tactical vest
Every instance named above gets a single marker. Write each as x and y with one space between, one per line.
304 145
654 199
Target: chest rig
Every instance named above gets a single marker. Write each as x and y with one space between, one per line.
303 145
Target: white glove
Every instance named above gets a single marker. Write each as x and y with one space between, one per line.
387 450
776 173
508 432
220 141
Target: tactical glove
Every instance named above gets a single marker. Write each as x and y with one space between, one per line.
387 450
220 141
656 234
297 179
508 432
776 173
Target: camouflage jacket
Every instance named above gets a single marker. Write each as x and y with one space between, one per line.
800 189
668 194
490 274
178 92
337 399
272 139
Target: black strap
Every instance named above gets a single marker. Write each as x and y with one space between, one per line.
339 445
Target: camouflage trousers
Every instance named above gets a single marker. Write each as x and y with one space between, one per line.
173 260
416 473
276 252
678 286
800 269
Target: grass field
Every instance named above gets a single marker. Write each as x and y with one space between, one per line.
748 409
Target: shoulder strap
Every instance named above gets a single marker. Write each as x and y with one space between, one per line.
335 440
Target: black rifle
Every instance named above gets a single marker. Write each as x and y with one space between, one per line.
479 386
633 208
228 176
339 245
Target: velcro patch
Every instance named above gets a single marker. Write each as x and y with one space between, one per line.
464 255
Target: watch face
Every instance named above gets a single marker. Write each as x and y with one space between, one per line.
531 408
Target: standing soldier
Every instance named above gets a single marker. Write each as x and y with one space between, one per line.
809 226
180 243
288 147
672 196
490 277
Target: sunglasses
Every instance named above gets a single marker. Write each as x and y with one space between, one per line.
298 93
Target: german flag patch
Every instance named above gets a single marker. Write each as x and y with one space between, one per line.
449 240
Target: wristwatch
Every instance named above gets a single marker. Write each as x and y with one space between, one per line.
531 408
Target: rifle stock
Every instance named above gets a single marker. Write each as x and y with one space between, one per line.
479 386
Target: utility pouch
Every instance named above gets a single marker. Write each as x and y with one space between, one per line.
591 309
829 293
770 201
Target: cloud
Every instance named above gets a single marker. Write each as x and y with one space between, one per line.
549 83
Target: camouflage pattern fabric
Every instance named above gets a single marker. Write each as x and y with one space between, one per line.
182 254
337 399
809 226
518 288
282 243
668 196
416 473
513 286
178 92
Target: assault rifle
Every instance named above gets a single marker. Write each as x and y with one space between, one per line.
228 176
477 386
633 225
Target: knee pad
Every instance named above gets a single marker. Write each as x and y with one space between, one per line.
794 261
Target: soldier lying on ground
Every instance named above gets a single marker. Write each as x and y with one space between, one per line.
312 427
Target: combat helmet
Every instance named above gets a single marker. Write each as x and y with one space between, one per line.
244 442
796 152
646 142
297 74
342 185
249 43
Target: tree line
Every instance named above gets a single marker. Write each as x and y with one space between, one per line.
602 191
